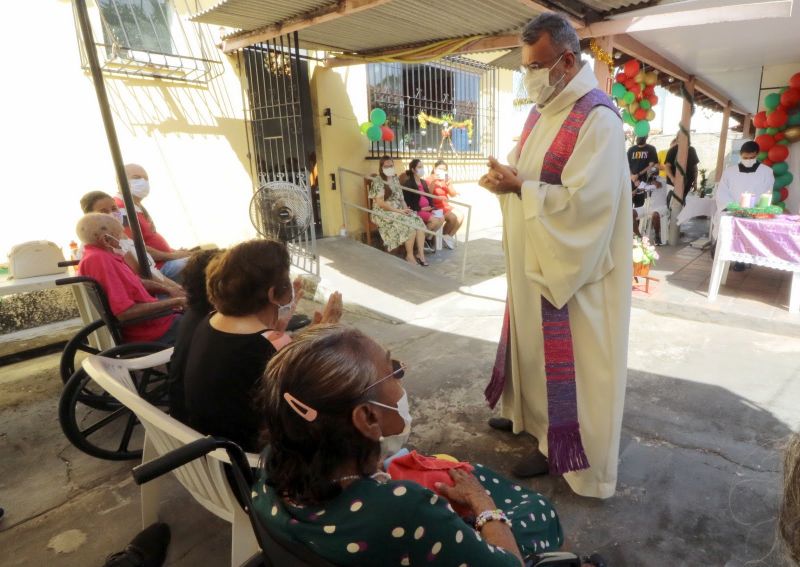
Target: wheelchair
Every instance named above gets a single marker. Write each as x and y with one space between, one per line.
276 551
91 419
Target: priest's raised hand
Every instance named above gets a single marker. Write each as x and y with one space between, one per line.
501 179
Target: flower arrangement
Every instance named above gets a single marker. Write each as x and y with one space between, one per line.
644 253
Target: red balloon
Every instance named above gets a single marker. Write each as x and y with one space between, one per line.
653 100
636 89
621 78
650 90
778 153
760 120
386 134
765 142
630 83
784 193
631 68
767 162
640 114
777 118
794 82
790 98
779 136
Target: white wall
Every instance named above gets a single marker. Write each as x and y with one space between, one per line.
191 138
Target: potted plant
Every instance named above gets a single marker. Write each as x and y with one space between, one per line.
644 256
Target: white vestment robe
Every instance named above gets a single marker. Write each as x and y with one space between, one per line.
571 243
734 182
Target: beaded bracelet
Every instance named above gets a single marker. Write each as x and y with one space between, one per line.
491 516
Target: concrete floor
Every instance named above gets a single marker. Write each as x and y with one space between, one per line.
707 408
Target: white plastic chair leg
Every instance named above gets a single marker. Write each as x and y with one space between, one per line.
150 491
243 540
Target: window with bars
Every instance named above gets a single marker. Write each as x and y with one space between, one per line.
437 110
141 25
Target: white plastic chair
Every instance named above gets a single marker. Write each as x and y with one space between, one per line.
204 478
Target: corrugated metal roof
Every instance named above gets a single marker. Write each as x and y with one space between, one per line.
410 22
605 6
510 60
253 14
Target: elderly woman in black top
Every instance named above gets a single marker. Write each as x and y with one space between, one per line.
250 289
421 204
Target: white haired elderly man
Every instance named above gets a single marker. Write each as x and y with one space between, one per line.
103 261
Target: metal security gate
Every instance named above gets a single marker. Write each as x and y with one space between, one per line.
286 204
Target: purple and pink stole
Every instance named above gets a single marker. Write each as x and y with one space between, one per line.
565 448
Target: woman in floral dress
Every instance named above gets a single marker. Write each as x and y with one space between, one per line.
397 223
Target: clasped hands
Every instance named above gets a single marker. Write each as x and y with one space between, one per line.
501 179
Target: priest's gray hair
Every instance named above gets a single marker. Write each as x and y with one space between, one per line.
557 27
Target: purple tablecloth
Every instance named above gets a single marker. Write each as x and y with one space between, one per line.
775 242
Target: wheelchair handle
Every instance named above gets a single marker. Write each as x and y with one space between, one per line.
74 280
170 461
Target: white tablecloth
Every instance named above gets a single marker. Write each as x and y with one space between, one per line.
697 207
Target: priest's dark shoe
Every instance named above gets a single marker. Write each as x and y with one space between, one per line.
501 424
534 464
147 549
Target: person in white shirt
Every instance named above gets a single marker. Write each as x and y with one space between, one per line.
748 176
654 209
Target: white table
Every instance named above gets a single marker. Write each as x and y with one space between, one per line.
24 285
697 207
729 249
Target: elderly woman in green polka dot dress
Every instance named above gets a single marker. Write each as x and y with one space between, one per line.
335 406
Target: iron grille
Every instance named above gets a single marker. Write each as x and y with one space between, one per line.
423 102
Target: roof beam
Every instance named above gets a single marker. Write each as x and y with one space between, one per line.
689 18
320 16
489 43
542 6
643 53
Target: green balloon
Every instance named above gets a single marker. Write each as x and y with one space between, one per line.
628 118
772 131
794 119
377 117
762 156
629 97
365 126
776 197
781 204
618 90
780 168
374 133
642 128
760 131
783 180
784 142
772 100
644 103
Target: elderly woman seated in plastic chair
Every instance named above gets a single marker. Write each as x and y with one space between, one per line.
397 223
335 407
654 213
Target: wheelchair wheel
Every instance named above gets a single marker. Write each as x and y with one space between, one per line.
96 423
76 349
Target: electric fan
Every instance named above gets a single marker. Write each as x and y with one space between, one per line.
281 210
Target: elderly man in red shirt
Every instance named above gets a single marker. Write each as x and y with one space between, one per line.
169 261
103 261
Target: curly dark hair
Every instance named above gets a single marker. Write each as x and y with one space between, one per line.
238 281
327 367
194 280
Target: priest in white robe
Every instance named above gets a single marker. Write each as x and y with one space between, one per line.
570 244
748 176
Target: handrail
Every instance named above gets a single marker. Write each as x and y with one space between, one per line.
380 212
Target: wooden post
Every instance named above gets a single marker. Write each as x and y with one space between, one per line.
604 78
723 142
680 163
747 126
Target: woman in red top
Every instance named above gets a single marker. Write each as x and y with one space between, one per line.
442 188
421 204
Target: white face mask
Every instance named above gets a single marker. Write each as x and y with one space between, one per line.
441 174
749 162
140 188
284 311
388 171
537 83
118 215
420 171
391 444
116 248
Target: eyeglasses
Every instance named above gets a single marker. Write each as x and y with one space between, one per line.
398 371
537 66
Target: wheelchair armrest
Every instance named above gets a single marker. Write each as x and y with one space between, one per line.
75 280
68 263
143 318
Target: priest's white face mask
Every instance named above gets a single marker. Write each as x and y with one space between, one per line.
537 82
